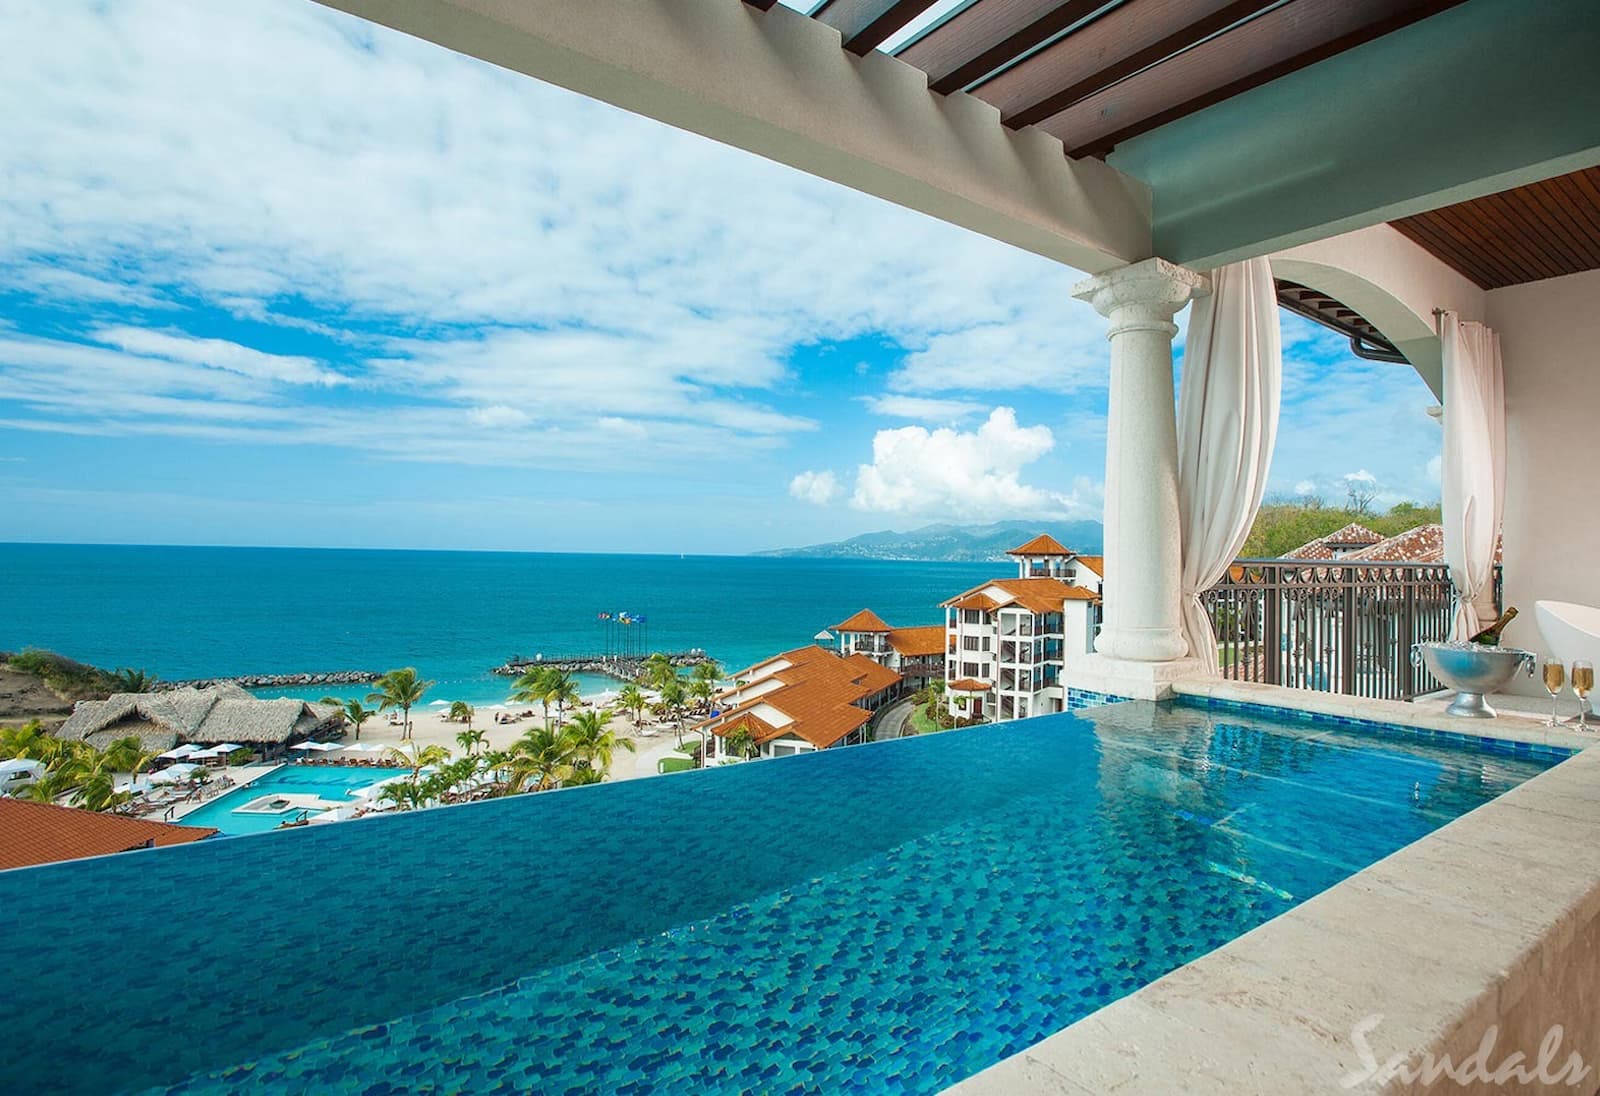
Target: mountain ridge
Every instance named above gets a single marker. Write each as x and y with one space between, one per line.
946 542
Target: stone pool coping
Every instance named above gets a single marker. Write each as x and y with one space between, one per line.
1494 918
1509 727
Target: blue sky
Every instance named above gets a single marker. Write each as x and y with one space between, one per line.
272 275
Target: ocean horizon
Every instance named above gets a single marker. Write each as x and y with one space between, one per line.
186 612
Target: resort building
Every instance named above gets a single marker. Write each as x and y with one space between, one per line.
1010 640
916 654
42 833
1348 541
798 701
204 717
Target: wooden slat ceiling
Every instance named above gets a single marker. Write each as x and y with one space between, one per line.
1366 341
1542 230
1098 72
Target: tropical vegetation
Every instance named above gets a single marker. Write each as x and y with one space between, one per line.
544 758
355 713
547 685
929 711
400 689
1283 526
74 680
83 774
631 699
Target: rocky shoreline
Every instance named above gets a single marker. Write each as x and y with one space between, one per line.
277 681
622 669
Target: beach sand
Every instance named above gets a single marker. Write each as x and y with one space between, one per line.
430 727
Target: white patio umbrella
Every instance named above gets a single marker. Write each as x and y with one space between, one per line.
364 747
173 774
317 747
188 749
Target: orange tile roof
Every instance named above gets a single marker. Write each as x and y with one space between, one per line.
1097 564
864 621
1351 535
968 685
1042 545
42 833
1037 595
1424 544
918 642
818 691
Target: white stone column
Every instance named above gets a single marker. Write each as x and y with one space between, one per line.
1143 581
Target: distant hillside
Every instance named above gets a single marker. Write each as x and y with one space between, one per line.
952 543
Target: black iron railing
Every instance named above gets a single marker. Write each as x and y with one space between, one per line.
1332 626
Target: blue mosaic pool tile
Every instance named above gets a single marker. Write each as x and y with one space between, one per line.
1079 699
1383 730
884 920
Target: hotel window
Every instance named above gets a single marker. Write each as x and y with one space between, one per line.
972 616
970 643
969 669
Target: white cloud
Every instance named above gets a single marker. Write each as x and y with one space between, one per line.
1062 352
972 475
1362 478
923 408
1305 487
818 488
498 415
219 354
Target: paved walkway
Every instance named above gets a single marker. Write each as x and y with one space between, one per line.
893 722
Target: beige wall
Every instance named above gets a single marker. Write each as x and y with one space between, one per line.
1550 342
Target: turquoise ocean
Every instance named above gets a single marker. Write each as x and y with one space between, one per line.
184 612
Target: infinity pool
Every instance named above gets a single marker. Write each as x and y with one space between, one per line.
886 918
330 783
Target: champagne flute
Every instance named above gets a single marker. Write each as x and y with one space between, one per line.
1582 682
1555 676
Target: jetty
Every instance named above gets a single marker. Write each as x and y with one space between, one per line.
276 681
622 668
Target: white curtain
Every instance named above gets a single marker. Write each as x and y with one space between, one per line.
1227 425
1474 464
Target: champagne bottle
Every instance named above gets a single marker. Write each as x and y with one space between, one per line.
1490 636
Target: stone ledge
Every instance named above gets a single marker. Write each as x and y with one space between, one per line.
1509 726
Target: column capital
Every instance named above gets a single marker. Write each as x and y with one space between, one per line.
1155 286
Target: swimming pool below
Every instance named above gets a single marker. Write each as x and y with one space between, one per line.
332 783
885 918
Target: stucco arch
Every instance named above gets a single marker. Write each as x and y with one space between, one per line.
1392 283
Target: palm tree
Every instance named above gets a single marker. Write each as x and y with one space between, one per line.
594 740
658 670
128 755
29 741
471 741
461 712
631 700
418 757
98 790
703 691
133 681
533 687
354 713
563 691
399 689
543 757
709 670
740 742
674 696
